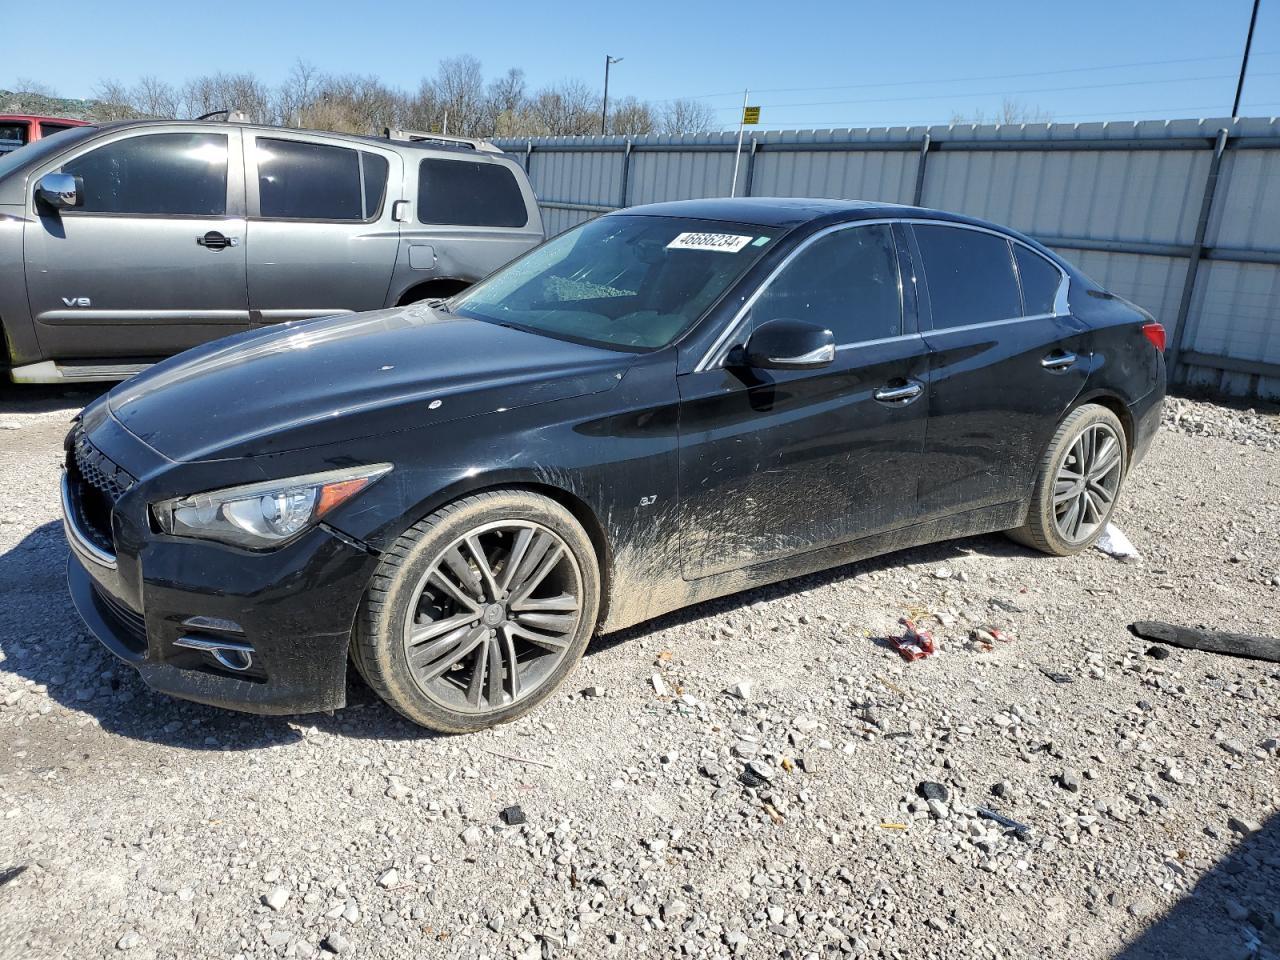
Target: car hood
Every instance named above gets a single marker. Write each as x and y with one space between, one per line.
336 378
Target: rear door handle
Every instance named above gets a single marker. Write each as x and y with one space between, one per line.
213 240
1058 360
898 395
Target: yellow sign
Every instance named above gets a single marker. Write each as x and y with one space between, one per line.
750 115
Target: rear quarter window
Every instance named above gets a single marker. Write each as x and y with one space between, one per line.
1040 281
469 193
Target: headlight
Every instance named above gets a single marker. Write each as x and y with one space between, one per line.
260 515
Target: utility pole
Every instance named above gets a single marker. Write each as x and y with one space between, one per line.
742 119
604 111
1244 62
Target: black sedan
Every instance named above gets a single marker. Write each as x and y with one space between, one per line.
666 404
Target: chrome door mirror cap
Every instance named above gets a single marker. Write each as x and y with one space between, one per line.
788 344
61 191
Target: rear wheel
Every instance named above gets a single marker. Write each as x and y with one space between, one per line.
1078 483
478 613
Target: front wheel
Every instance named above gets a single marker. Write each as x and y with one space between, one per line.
1077 484
479 611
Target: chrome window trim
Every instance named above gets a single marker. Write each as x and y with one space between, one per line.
715 354
77 540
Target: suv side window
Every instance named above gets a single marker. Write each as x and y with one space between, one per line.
469 193
846 281
1040 281
317 181
970 276
171 174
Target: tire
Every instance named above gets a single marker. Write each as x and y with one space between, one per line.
432 601
1049 525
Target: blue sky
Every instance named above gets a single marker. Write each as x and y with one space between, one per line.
807 63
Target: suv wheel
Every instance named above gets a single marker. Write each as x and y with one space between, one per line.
479 611
1078 483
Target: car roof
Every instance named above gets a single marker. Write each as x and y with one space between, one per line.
791 212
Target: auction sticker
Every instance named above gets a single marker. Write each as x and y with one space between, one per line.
720 242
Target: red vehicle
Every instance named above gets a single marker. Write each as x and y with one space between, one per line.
18 129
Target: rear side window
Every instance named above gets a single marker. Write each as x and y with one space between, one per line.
49 129
173 174
846 281
317 181
1040 281
12 135
970 276
469 193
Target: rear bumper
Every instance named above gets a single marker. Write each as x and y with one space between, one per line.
1146 421
295 609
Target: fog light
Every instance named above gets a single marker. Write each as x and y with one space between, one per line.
233 656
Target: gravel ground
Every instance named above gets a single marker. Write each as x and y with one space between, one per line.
825 808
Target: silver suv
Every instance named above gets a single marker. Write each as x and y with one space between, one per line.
123 243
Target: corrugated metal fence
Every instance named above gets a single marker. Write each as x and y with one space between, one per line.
1182 217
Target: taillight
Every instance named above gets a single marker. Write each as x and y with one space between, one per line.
1155 333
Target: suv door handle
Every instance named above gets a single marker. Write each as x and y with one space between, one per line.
898 395
213 240
1058 360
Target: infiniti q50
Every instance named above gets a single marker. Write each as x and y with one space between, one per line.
667 404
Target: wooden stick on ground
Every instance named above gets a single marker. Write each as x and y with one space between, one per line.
1211 641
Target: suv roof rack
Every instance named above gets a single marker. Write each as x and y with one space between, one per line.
420 136
231 116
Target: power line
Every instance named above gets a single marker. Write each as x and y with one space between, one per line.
999 76
992 93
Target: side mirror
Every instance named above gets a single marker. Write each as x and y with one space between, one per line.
790 345
60 191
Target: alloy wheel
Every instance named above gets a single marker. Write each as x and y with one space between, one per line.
1087 481
494 615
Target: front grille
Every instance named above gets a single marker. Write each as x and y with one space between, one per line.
96 484
132 626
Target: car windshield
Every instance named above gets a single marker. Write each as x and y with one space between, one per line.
623 281
37 150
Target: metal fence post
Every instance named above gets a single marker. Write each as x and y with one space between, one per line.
1183 338
751 168
626 172
528 155
925 143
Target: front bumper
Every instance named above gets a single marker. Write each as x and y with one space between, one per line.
296 608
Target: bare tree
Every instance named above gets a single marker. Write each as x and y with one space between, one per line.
686 115
153 97
630 117
227 91
33 87
567 109
114 101
1011 111
505 103
459 86
296 93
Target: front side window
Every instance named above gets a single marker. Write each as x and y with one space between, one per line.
1040 281
846 281
173 174
624 281
469 193
318 181
970 276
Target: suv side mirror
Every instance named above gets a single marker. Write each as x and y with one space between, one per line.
790 345
60 191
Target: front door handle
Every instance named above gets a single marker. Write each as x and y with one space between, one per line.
213 240
898 395
1058 360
